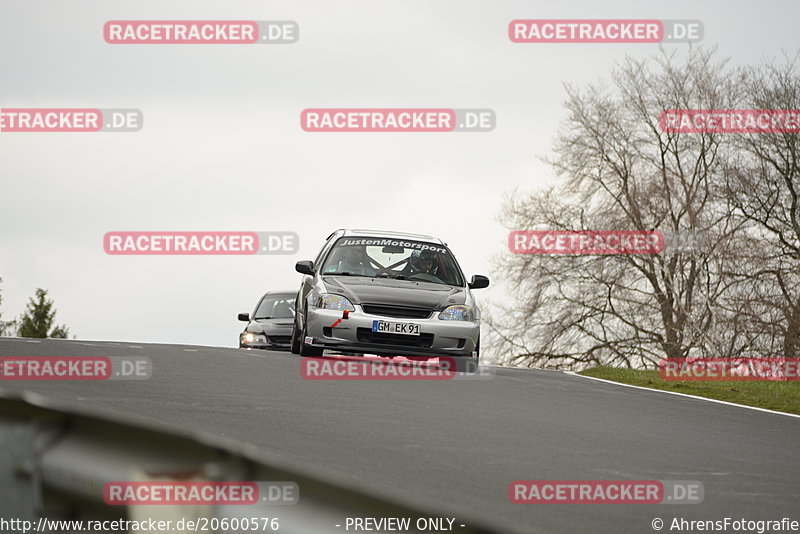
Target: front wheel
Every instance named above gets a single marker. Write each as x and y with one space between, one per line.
295 345
467 365
306 350
295 348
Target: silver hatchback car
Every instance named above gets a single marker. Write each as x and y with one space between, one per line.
389 294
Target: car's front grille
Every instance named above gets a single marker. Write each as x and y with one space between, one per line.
279 340
365 335
405 312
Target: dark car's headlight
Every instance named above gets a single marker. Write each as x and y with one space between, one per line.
253 337
328 301
459 312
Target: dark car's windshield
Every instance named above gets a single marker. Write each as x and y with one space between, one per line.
275 307
393 258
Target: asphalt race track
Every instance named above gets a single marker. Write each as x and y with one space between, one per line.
454 446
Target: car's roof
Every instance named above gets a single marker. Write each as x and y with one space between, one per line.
287 292
357 232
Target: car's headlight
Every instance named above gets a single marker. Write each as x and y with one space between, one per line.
334 302
253 337
459 312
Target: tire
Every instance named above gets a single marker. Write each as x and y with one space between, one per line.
467 365
295 348
305 350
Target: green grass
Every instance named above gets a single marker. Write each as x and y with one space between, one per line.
780 396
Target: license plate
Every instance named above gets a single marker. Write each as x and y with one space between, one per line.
389 327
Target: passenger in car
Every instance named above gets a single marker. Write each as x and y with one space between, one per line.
354 261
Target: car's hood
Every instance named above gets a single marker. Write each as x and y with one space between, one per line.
391 292
269 325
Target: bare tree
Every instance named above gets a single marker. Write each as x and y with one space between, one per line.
763 184
619 170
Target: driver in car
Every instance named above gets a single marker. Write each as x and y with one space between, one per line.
425 263
354 261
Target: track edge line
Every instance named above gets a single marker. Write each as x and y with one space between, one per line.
683 395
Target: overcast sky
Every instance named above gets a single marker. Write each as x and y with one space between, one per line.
222 147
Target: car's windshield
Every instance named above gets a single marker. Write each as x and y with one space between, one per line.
275 307
393 258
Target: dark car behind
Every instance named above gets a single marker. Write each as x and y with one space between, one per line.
270 324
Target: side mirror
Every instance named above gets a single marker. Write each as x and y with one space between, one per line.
478 282
244 317
305 267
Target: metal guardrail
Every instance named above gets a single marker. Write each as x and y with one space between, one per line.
55 464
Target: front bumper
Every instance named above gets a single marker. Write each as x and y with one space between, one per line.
273 342
329 330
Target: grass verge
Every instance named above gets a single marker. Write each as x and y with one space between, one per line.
779 396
